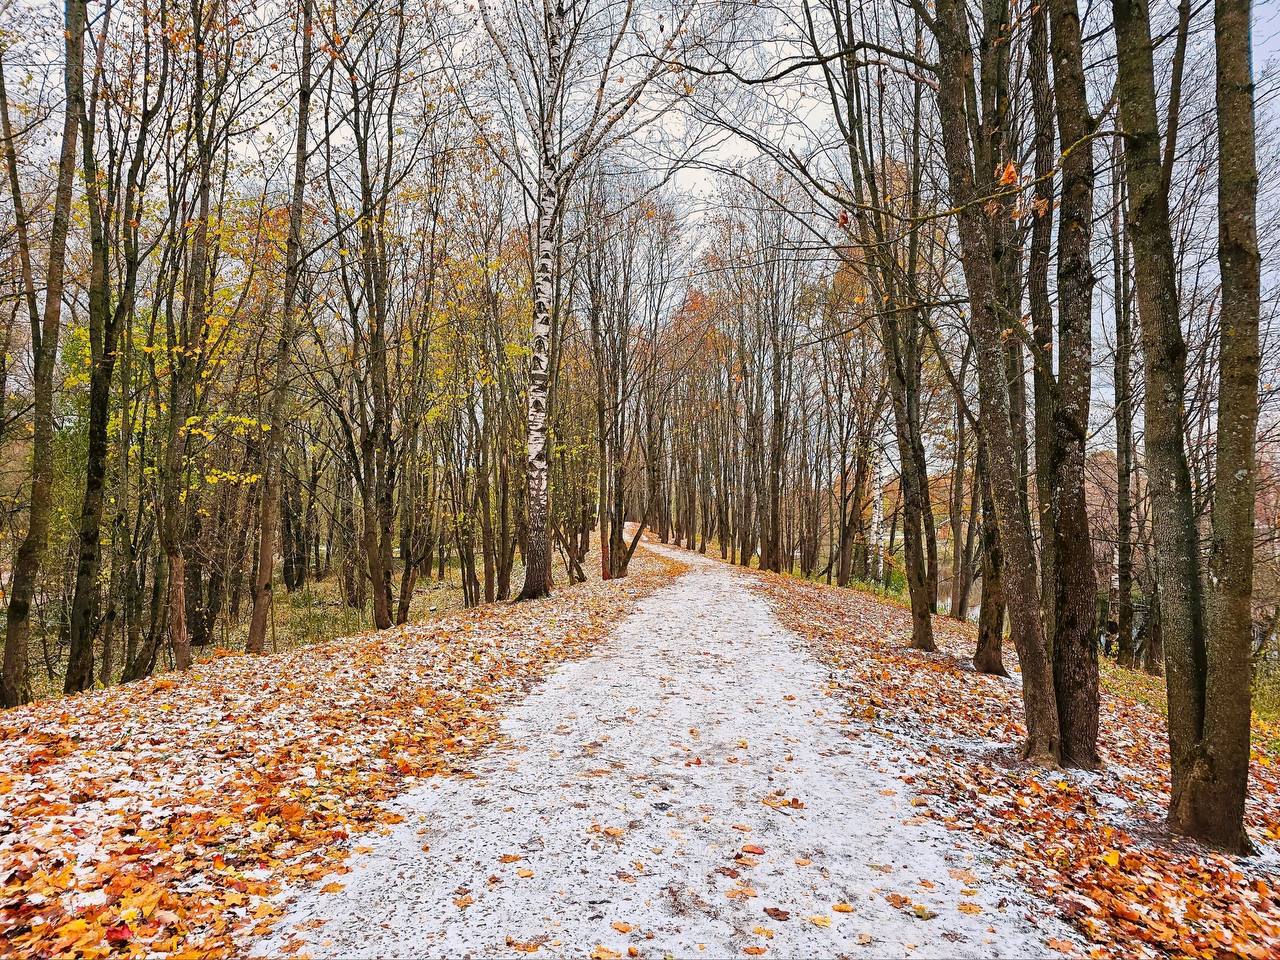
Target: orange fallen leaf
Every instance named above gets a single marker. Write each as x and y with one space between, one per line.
842 907
621 926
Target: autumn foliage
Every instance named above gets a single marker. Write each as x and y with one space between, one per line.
160 817
1092 843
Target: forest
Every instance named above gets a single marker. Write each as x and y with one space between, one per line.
330 318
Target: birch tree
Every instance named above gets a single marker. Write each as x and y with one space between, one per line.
579 79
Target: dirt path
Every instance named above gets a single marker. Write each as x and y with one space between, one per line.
689 790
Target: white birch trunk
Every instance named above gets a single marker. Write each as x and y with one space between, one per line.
537 580
877 519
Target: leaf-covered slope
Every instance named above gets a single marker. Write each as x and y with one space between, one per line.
1094 843
158 817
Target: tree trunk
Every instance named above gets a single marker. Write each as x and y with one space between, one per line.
1018 553
272 443
1179 585
14 683
988 656
537 558
1208 803
1075 655
1124 422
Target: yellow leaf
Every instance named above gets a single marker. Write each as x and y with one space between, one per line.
842 908
820 920
970 908
1112 857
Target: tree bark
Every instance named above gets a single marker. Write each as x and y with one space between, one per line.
988 656
1075 656
1124 421
1018 552
537 558
1208 803
1179 585
272 443
14 681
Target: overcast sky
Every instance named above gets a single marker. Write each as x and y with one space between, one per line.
1266 32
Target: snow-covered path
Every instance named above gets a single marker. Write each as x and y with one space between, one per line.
689 790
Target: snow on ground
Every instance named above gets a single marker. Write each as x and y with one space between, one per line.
691 789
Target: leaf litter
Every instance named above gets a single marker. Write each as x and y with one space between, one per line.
639 851
160 818
1092 843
